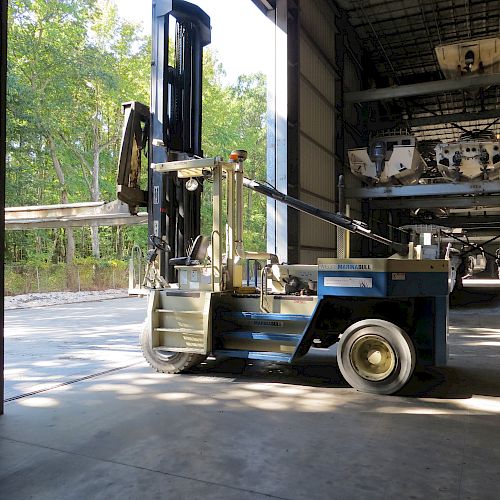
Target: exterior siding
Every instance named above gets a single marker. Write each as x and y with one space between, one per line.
317 179
309 137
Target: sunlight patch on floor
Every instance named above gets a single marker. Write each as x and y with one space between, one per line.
482 404
39 402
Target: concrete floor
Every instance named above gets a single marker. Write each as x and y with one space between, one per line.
48 346
230 431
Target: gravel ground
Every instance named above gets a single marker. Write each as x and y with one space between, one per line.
54 298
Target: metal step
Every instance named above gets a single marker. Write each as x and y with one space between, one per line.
174 311
293 338
262 355
166 350
184 331
264 316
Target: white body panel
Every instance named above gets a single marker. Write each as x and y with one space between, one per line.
403 163
486 51
470 164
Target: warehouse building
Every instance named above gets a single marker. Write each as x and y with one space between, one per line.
385 112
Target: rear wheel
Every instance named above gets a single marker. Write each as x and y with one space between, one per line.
376 356
165 361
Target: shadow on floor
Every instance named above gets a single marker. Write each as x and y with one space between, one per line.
439 383
325 374
453 382
467 374
475 298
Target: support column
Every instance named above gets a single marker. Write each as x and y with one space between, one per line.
277 132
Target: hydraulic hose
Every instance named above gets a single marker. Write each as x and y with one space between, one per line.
356 227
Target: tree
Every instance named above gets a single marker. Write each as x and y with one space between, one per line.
234 118
111 75
71 65
46 38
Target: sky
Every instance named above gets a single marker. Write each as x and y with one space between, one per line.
241 34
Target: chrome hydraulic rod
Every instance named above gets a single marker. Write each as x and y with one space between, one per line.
336 219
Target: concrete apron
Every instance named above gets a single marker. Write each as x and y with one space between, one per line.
231 430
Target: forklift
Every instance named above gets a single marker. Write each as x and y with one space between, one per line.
385 315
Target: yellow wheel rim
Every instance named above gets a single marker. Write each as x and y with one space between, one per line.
372 357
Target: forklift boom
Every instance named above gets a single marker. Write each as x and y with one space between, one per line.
337 219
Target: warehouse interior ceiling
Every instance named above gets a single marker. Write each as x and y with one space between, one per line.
400 37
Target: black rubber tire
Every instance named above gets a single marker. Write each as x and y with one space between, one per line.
398 340
175 363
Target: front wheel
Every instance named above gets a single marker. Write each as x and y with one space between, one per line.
165 361
376 356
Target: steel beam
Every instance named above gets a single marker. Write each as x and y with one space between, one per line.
460 201
423 121
71 215
265 5
473 222
481 283
451 189
418 89
277 134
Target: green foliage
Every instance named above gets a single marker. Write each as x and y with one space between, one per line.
234 118
85 274
14 282
100 264
71 64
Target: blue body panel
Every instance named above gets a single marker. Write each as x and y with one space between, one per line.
264 316
260 355
441 331
413 295
382 284
274 337
364 282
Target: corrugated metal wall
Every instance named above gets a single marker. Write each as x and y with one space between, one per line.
349 54
316 134
309 130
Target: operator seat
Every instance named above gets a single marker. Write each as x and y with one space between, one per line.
196 253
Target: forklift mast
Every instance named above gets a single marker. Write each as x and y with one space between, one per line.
175 123
170 130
